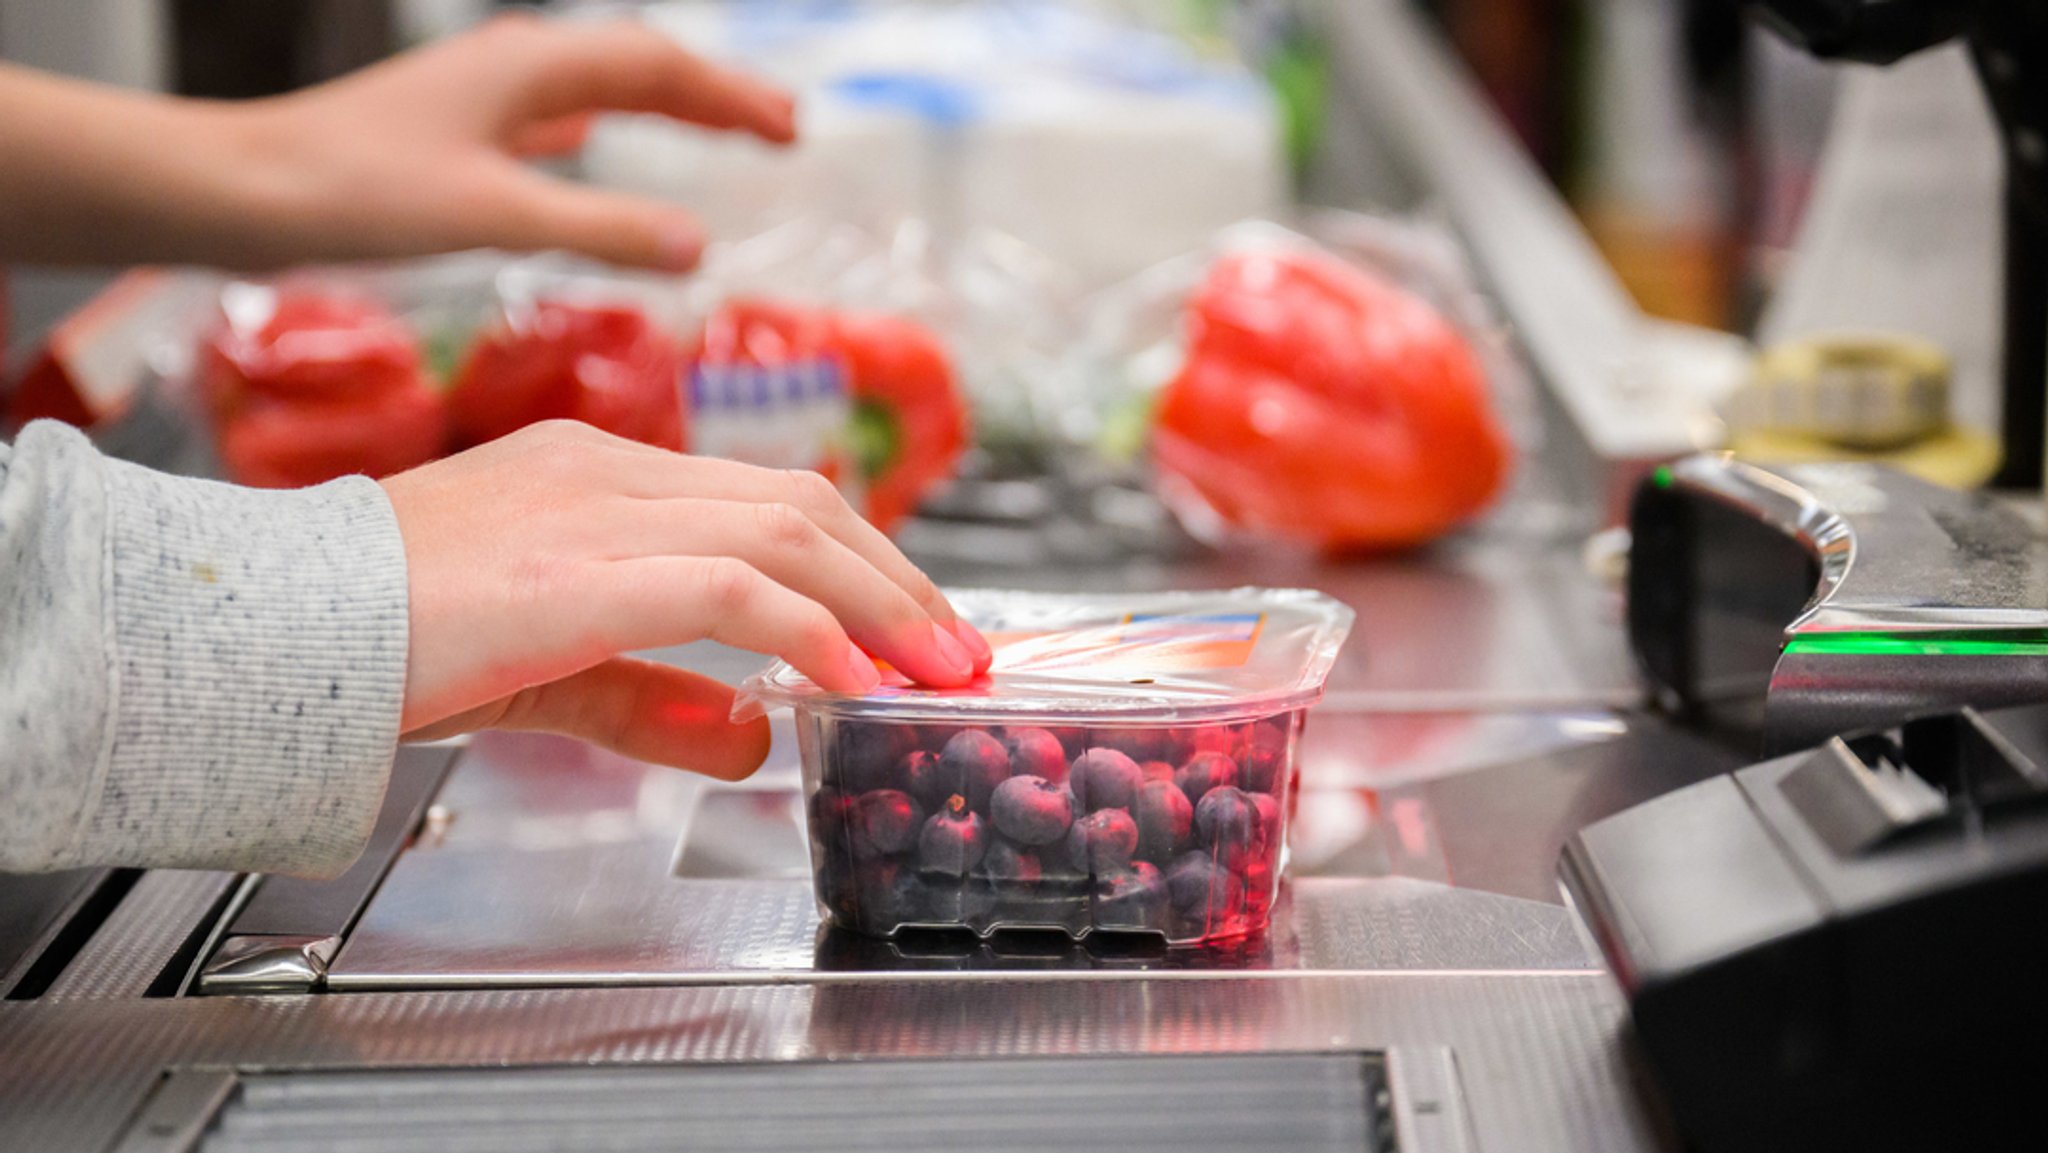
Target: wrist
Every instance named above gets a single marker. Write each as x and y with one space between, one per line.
266 194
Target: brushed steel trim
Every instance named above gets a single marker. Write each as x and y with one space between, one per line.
1540 1062
268 964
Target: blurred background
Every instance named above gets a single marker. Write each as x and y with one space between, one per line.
1040 189
1685 136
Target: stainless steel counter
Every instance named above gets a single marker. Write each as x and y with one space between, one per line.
559 906
540 907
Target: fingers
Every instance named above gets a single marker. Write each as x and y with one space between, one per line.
657 474
567 67
788 547
537 212
646 711
649 602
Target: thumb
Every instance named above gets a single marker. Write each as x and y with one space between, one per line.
614 227
640 709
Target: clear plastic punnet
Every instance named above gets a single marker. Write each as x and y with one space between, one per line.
1128 765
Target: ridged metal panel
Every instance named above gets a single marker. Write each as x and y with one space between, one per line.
164 909
1285 1103
601 922
33 908
1541 1066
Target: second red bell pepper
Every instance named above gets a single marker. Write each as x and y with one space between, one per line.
1321 404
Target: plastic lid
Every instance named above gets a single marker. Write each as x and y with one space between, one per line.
1131 657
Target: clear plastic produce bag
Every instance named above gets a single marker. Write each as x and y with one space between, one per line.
1286 389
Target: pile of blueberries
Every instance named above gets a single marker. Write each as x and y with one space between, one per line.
1174 832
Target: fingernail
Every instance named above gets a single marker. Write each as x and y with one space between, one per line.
865 674
682 245
952 651
976 644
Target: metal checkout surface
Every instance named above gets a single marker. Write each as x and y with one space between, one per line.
546 947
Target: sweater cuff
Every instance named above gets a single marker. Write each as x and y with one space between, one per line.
259 659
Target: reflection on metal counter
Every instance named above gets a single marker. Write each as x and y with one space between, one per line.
564 866
1838 948
1832 597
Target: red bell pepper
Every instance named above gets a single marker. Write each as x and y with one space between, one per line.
312 346
605 365
326 386
290 444
1321 404
910 423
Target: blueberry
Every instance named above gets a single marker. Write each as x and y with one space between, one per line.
977 763
928 780
1036 753
1036 907
1133 898
1272 733
1226 823
1104 779
1031 810
1164 818
1202 890
869 754
837 891
885 895
1259 770
1137 744
831 816
1008 864
1205 771
1073 739
1260 766
953 840
950 901
1223 740
885 822
1269 821
1257 875
830 808
1101 842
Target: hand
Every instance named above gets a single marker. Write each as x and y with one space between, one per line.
537 559
416 155
421 153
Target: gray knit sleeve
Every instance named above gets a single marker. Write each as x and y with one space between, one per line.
191 674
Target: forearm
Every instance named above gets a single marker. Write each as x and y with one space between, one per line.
90 174
419 154
191 675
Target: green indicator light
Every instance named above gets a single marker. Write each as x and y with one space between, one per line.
2010 643
1661 476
